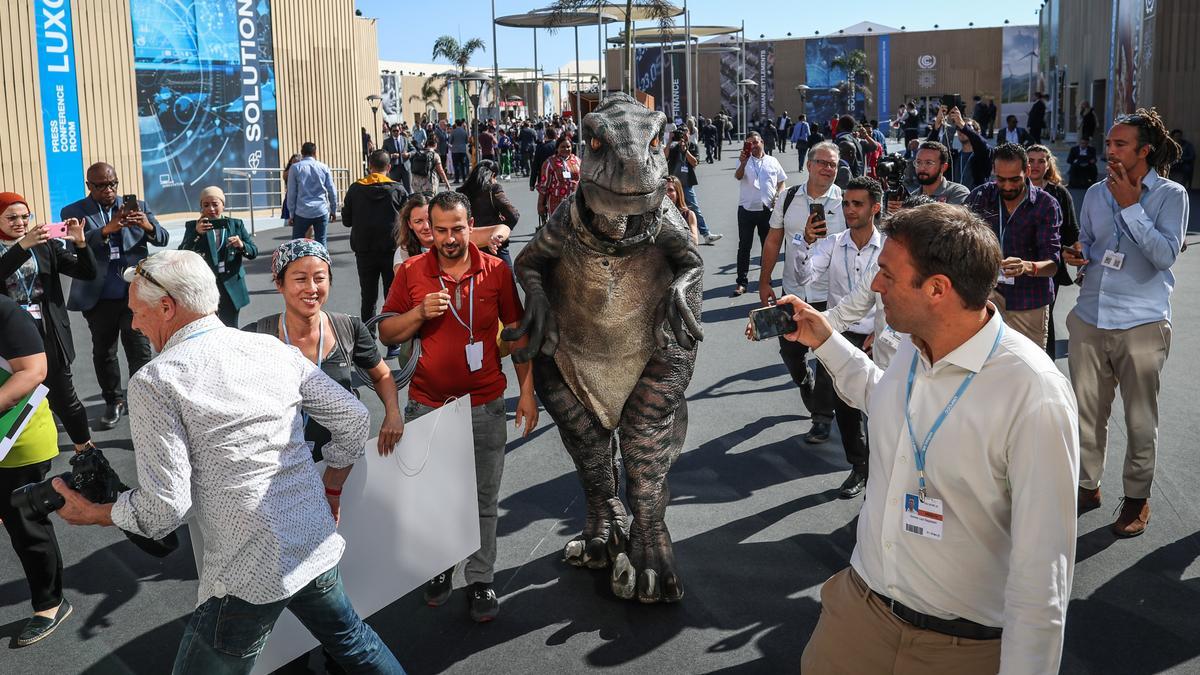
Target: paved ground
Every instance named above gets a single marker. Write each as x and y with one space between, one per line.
754 515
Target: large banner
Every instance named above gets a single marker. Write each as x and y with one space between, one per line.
821 76
883 78
59 102
663 77
760 67
1018 72
1126 56
205 95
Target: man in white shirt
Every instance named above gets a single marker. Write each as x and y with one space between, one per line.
761 179
966 539
788 223
846 261
216 424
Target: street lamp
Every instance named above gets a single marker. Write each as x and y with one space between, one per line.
742 84
374 100
803 89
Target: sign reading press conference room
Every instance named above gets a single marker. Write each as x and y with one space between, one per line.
59 102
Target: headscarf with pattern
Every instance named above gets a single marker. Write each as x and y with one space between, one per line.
292 250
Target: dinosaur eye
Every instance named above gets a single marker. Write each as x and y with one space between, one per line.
654 142
595 144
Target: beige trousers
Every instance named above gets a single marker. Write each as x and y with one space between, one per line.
858 635
1032 323
1099 360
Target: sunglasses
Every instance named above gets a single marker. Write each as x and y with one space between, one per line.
103 186
142 272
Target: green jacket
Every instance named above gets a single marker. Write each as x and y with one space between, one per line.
212 248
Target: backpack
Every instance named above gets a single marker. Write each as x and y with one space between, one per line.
422 163
851 152
787 198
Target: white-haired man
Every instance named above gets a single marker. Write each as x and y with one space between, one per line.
217 430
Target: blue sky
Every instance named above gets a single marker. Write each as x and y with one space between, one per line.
407 29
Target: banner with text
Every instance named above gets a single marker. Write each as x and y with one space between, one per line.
59 95
205 95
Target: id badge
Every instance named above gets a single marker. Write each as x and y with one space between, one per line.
114 252
35 310
922 517
567 174
1113 260
1001 279
684 168
890 338
474 356
798 239
221 267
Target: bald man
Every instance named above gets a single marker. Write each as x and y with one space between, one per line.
119 232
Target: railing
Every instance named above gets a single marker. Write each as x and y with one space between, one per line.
254 190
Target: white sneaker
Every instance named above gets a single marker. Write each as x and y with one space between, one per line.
710 238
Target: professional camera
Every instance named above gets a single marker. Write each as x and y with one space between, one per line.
890 169
93 477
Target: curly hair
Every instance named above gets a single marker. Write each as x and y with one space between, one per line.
1152 131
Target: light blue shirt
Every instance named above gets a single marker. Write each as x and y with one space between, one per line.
310 190
1150 235
800 132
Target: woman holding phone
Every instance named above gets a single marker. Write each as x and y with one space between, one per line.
31 260
223 243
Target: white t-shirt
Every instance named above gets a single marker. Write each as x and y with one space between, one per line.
759 182
793 233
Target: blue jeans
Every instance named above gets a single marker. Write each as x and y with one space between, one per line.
300 227
689 198
226 635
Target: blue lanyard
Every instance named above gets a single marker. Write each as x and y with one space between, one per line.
1117 232
470 323
919 452
846 261
196 334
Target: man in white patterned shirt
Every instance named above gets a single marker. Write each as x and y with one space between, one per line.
217 429
966 539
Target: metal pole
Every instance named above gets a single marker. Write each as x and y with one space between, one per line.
606 61
662 75
687 60
537 78
578 116
742 76
599 56
495 65
250 191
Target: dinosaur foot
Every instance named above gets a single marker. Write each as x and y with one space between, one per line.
654 582
595 552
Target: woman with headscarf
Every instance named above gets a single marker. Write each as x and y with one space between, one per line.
559 177
493 213
30 264
223 243
336 342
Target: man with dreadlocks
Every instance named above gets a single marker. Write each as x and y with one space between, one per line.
1131 230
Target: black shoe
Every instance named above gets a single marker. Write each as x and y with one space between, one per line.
438 589
854 484
112 415
484 605
818 434
39 626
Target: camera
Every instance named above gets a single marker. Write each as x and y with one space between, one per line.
890 169
93 477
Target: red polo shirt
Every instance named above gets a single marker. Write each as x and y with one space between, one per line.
442 372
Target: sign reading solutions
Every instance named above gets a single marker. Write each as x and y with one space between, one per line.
59 96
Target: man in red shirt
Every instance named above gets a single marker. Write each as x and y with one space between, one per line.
454 298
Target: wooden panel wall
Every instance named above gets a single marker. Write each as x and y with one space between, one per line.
366 68
318 79
22 152
1176 69
107 90
1084 43
968 63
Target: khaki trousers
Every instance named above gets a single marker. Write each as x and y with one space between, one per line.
1032 323
858 635
1099 360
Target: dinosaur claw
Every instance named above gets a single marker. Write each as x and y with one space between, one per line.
623 581
648 587
573 552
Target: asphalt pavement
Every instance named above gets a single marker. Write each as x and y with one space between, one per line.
754 515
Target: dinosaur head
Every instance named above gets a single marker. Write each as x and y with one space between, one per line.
623 167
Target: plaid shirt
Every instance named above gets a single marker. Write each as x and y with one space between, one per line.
1031 232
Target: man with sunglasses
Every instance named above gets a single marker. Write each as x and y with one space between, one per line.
119 235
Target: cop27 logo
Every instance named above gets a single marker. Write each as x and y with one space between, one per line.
254 159
927 61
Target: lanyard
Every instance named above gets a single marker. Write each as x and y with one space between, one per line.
1000 227
846 261
320 352
196 334
470 308
1117 231
919 452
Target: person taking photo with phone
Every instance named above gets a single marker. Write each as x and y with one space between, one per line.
120 234
31 260
761 179
223 243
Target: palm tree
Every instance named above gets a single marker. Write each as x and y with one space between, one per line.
858 78
459 55
659 10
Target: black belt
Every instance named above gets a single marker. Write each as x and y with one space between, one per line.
962 628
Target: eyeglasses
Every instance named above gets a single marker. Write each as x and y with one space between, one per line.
828 164
142 272
112 185
927 163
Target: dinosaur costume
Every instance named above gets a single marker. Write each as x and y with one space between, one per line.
613 291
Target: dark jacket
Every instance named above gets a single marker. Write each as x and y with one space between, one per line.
135 246
1068 231
675 157
543 152
53 258
1037 115
372 210
1087 125
212 247
492 207
1022 134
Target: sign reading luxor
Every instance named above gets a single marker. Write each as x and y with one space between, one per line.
59 101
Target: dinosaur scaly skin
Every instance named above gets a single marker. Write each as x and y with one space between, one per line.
613 291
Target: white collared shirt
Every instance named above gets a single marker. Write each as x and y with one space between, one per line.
760 182
844 267
793 223
1005 464
859 305
217 430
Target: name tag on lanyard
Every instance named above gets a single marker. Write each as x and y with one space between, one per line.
35 310
923 517
114 251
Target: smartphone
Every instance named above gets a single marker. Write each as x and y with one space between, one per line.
773 321
951 101
746 147
817 210
56 230
219 223
130 203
